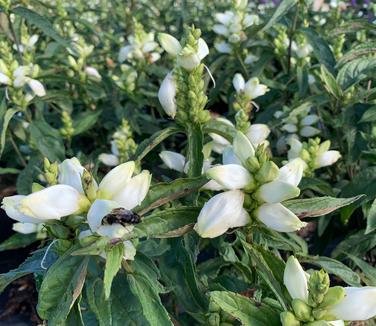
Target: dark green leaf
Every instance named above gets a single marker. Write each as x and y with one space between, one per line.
18 240
368 270
7 117
330 83
97 301
281 10
369 115
84 121
114 257
246 310
371 218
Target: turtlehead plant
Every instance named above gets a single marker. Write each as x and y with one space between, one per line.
314 153
314 302
256 188
230 27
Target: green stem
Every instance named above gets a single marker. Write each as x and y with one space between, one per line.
195 145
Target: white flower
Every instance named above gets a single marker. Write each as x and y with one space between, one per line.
108 159
223 47
70 173
174 161
11 206
276 191
252 88
358 304
230 176
295 279
295 148
21 77
220 213
166 95
257 133
25 228
187 57
243 147
93 73
327 158
4 79
292 172
308 131
279 218
251 58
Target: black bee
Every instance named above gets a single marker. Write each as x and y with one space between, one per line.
121 216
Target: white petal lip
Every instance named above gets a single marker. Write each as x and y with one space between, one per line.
229 156
4 79
295 280
51 203
289 127
277 191
230 176
221 212
279 218
254 89
91 71
124 53
113 231
25 228
98 210
135 191
11 207
223 47
292 172
295 148
308 131
174 161
238 82
257 133
358 304
224 18
243 147
37 87
166 95
108 159
309 120
220 29
115 180
327 158
203 49
169 43
70 172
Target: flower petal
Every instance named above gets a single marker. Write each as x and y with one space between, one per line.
358 304
108 159
308 131
37 87
11 207
257 133
279 218
238 82
25 228
115 180
135 191
243 147
230 176
169 43
229 156
174 161
277 191
98 210
221 212
295 280
309 120
203 49
70 173
327 158
166 95
292 172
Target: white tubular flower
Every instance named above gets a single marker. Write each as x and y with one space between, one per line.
250 59
25 228
276 192
93 73
290 127
238 82
279 218
174 161
51 203
70 173
219 142
220 213
11 206
358 304
166 95
327 158
230 176
309 120
4 79
229 157
308 131
36 86
257 133
292 172
295 148
243 147
134 191
254 89
124 53
295 279
223 47
109 159
115 180
170 44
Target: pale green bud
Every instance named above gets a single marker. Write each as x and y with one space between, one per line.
268 172
318 286
302 311
89 185
333 296
288 319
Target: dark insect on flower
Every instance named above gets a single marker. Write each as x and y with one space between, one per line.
121 216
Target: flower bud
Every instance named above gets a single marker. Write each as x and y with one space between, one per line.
333 296
89 185
318 286
288 319
268 172
302 311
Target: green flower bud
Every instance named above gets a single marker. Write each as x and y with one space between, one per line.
302 311
333 296
288 319
252 164
318 286
36 187
268 172
58 230
88 185
214 319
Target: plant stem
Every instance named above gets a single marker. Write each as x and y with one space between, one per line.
291 34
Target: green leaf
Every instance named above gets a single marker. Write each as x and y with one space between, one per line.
9 171
321 49
359 51
246 310
195 156
318 206
282 10
362 183
18 240
330 83
353 26
61 287
29 266
152 307
333 266
42 23
369 115
84 121
354 71
47 140
114 257
97 301
163 223
368 270
7 117
163 193
371 218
